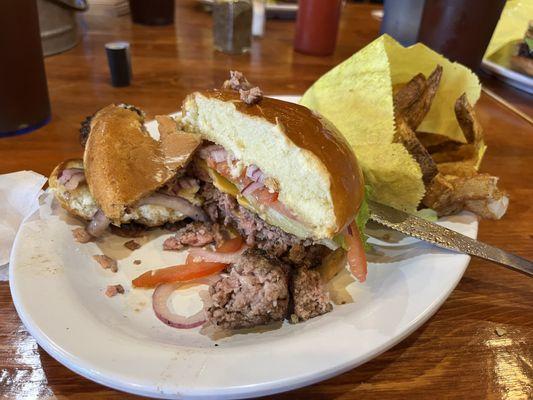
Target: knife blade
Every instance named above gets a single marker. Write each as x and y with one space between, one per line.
443 237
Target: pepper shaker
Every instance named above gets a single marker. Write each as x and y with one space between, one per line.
232 25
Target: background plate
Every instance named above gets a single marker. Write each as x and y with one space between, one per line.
499 65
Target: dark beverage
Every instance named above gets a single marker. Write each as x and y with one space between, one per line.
401 20
152 12
460 29
317 24
24 104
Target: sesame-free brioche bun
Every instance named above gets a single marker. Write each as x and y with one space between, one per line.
316 170
123 163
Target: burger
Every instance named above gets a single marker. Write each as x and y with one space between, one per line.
273 208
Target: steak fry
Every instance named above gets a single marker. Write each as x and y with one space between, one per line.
412 101
405 135
479 193
444 150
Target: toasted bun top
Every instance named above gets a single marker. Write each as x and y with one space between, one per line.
309 131
123 163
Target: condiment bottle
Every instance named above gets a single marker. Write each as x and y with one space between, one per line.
232 25
317 24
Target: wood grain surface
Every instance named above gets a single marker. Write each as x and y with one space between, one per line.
479 345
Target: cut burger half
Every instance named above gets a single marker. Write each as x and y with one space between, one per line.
278 173
126 176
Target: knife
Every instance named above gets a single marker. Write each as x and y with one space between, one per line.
444 237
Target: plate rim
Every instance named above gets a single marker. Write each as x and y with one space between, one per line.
83 368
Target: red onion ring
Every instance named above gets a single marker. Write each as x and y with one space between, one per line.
251 170
160 304
205 152
199 254
175 203
252 187
98 224
74 181
67 174
219 155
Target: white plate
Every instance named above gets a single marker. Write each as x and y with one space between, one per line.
499 65
58 292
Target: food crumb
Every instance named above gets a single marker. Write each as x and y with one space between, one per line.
294 319
216 344
113 290
106 262
81 235
500 331
137 262
132 245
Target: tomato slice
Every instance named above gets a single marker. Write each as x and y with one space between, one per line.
356 253
177 273
189 271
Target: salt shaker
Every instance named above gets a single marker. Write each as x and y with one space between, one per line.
232 25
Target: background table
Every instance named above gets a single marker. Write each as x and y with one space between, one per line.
479 345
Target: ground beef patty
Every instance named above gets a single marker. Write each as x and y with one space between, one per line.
309 293
195 234
224 208
255 292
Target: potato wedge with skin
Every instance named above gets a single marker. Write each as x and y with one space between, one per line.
407 137
467 120
413 100
464 169
444 150
478 193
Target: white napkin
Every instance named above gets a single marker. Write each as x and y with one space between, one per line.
19 193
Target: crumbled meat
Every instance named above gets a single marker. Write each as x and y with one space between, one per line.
113 290
129 230
137 262
81 235
237 81
106 262
255 292
195 234
224 208
249 94
132 245
310 296
252 96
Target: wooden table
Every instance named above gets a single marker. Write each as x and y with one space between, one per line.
479 345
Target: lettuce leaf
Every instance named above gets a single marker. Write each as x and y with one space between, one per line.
363 216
